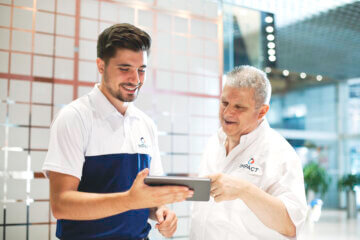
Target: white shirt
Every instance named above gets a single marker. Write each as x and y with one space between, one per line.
264 158
91 126
91 140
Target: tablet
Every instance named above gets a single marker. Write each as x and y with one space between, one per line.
200 186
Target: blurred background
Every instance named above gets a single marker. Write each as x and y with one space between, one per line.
309 49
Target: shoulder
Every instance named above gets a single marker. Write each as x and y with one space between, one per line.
276 146
278 141
75 112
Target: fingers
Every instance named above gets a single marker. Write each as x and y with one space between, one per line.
160 215
175 197
166 194
168 227
169 232
218 198
215 191
182 192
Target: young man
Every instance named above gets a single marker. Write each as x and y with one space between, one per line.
256 177
102 147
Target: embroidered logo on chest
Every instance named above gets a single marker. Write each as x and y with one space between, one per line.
251 167
142 143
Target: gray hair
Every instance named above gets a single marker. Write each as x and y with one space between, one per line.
250 77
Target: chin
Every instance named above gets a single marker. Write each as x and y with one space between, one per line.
227 130
129 99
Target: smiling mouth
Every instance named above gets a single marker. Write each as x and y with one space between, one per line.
229 122
131 88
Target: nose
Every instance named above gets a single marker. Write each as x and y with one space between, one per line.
227 110
135 77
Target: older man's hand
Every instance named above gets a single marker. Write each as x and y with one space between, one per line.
225 187
167 221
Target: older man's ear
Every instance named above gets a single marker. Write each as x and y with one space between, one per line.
263 110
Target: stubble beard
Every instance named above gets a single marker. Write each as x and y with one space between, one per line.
117 93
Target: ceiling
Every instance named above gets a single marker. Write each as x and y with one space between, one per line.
315 37
327 43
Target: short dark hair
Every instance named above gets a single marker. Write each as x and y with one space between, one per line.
122 36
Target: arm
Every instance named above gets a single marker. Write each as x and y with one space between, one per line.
263 205
67 203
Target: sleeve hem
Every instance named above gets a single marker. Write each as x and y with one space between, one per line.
54 168
299 223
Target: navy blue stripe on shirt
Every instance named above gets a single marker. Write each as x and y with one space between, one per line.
108 174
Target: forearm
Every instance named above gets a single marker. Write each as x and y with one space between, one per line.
76 205
270 210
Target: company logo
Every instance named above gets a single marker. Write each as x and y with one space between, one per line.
142 143
251 161
251 167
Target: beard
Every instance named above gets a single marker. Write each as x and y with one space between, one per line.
118 94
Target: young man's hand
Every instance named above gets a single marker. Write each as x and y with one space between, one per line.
141 195
166 221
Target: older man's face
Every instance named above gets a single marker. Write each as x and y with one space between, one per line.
238 115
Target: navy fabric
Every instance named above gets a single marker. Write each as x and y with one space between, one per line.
108 174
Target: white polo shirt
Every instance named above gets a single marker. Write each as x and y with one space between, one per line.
264 158
91 126
91 140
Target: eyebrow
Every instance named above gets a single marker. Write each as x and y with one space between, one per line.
128 65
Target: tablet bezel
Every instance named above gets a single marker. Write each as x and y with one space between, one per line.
200 186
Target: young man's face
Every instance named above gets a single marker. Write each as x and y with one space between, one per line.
238 113
124 74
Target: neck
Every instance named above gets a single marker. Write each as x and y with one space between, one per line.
231 143
119 105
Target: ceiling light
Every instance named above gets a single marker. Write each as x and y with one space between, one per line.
319 78
303 75
271 52
270 37
269 19
268 69
285 73
271 45
272 58
269 29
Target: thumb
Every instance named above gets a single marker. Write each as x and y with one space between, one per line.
213 177
141 176
160 216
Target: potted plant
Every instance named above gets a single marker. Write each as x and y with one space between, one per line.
316 180
347 183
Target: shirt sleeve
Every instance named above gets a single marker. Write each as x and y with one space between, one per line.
289 188
66 152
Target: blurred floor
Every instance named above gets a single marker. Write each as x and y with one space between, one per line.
333 225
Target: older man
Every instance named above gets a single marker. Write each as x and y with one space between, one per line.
257 183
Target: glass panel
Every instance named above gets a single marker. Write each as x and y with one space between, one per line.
245 37
38 232
39 212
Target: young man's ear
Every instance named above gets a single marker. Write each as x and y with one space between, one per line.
263 110
100 65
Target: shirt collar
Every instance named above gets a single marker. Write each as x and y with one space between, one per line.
246 140
104 107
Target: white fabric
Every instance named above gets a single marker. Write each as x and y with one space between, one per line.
91 126
276 169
